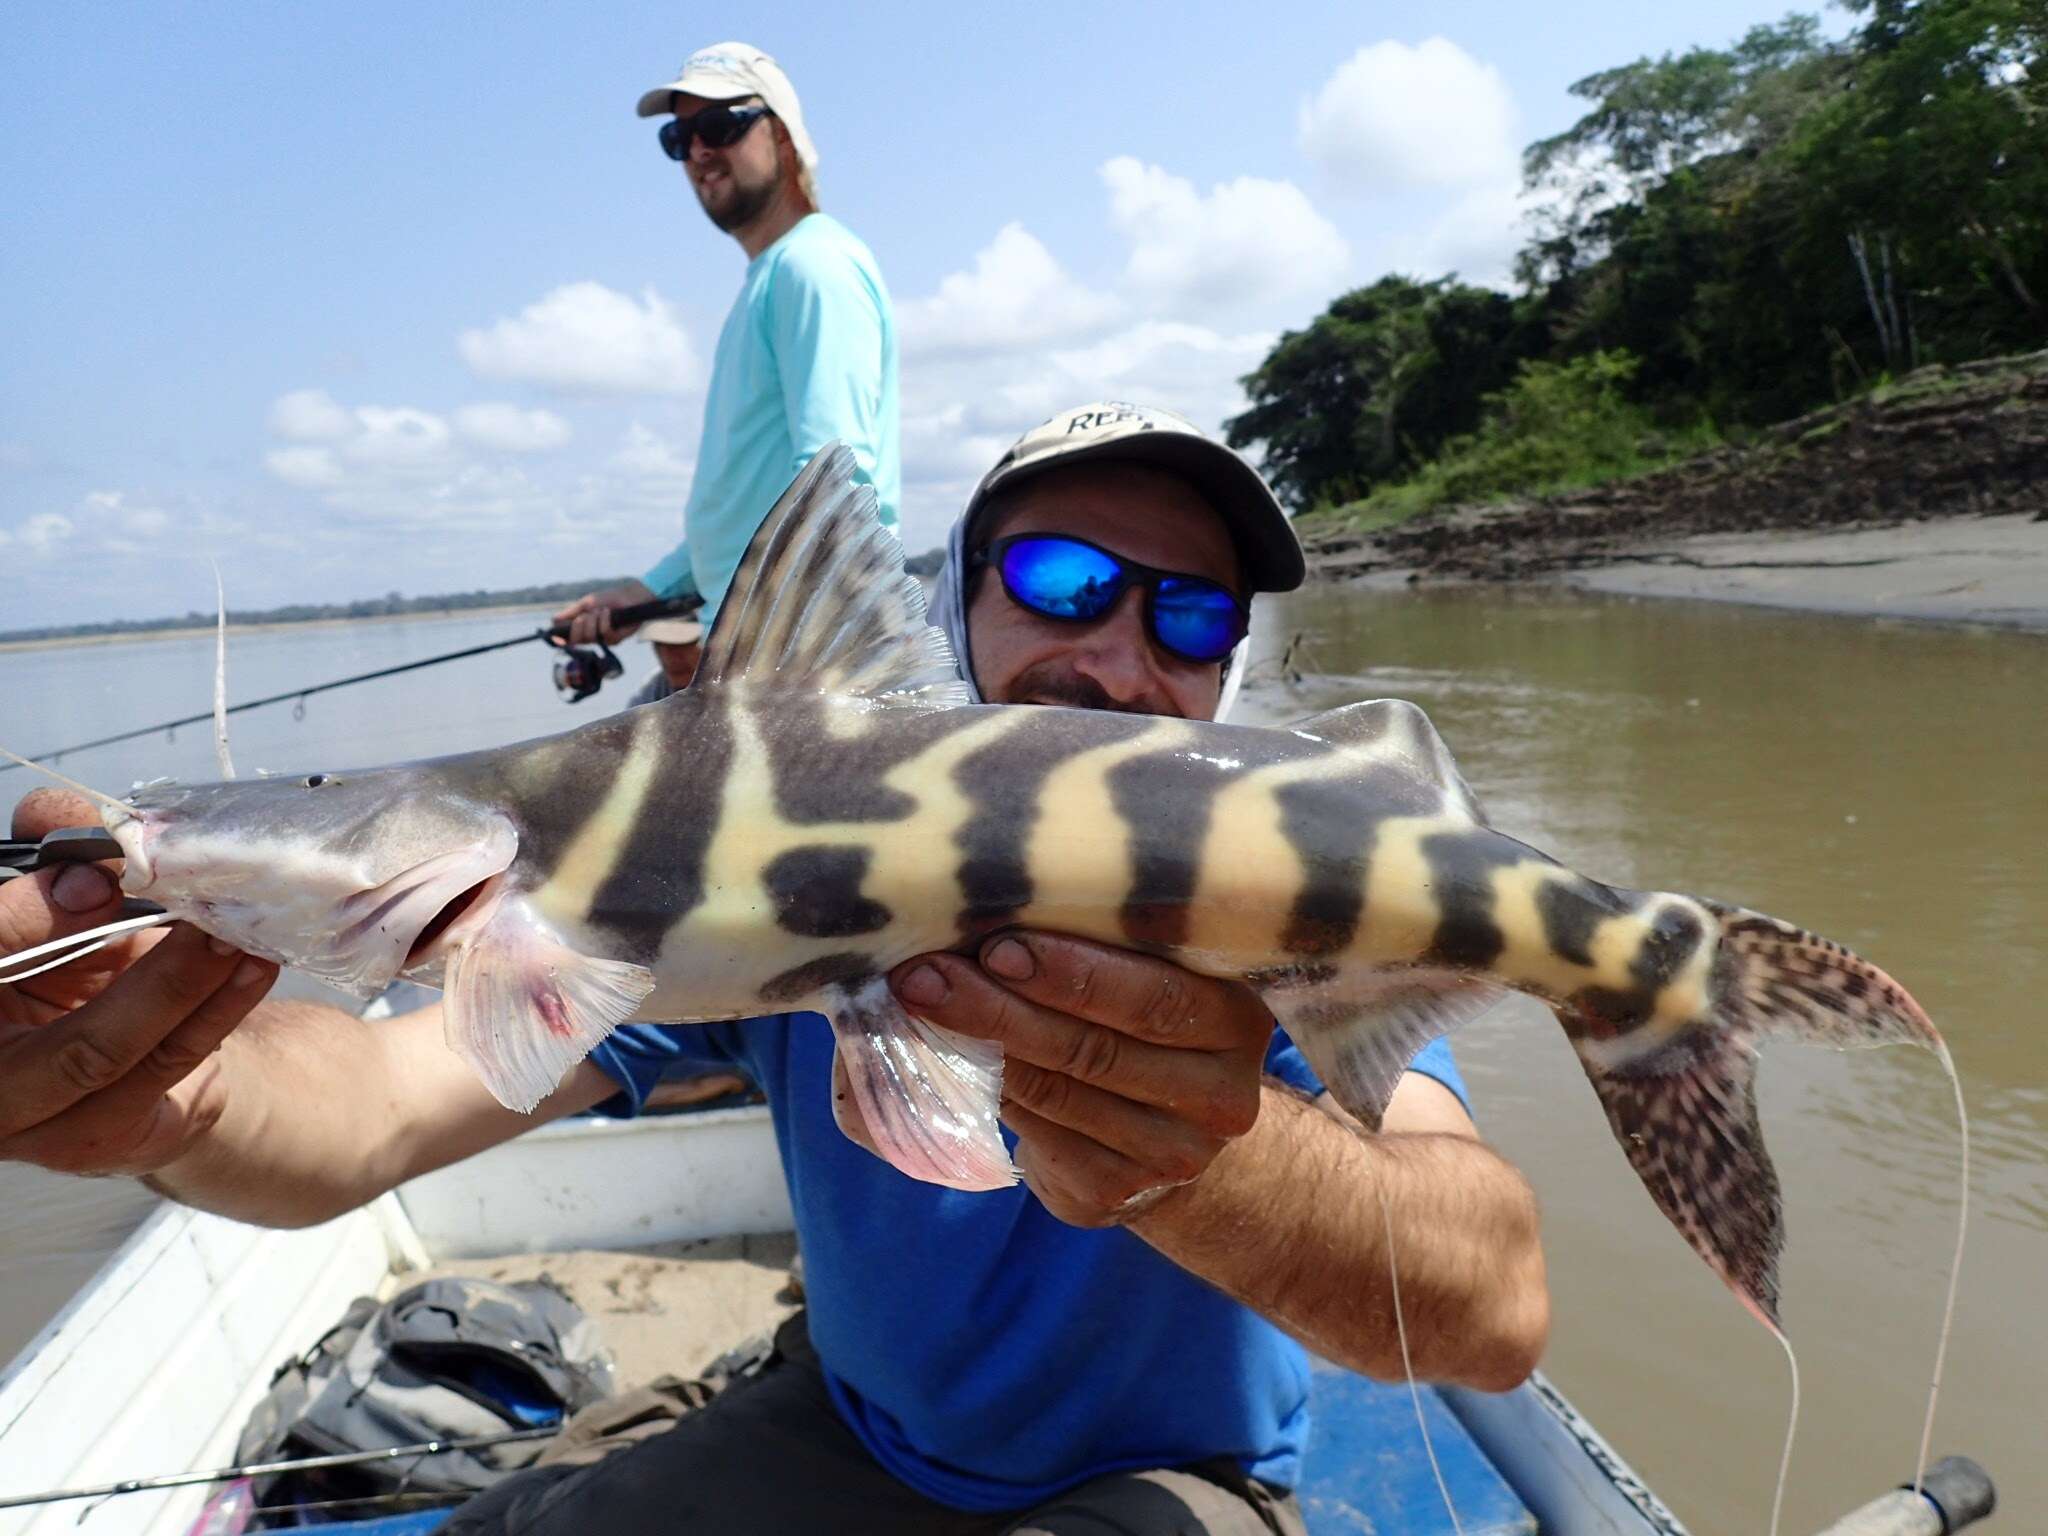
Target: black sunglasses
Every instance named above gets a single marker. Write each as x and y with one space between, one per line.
1070 579
717 126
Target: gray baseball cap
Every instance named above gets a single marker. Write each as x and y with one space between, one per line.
1115 429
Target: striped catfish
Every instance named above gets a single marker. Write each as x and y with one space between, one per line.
824 802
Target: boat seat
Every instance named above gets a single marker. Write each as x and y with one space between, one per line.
1365 1473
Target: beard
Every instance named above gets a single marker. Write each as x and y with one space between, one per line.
742 204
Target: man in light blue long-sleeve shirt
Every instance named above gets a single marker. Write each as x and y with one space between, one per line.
808 352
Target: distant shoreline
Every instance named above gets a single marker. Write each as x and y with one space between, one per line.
170 631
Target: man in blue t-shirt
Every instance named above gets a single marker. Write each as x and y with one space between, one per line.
808 352
1095 1350
1114 1346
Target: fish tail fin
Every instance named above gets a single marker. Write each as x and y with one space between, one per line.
1683 1106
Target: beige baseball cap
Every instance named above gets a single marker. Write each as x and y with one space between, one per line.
728 71
672 631
1116 429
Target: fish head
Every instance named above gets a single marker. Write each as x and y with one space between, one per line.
349 876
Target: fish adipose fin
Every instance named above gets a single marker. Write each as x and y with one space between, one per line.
821 601
930 1097
1360 1032
1684 1109
522 1008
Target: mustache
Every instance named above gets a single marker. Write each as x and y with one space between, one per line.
1048 682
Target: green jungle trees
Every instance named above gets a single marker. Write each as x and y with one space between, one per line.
1725 238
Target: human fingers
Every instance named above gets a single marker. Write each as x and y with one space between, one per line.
44 1071
151 1113
1216 1091
46 808
1138 995
1171 1147
53 904
1082 1182
569 611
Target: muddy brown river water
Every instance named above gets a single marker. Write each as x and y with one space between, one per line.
1883 784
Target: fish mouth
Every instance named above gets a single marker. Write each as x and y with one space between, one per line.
132 833
432 940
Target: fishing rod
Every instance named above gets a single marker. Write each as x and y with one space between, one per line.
579 674
265 1468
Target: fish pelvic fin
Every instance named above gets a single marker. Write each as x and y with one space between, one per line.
821 601
522 1008
1361 1032
931 1098
1684 1107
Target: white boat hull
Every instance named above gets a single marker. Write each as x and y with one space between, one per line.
156 1364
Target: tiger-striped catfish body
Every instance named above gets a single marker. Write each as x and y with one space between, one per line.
824 802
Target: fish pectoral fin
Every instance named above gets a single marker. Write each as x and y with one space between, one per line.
931 1098
522 1007
1360 1032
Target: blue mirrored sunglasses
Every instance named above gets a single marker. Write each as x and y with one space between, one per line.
1070 579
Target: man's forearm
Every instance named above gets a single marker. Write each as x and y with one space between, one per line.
295 1139
1289 1221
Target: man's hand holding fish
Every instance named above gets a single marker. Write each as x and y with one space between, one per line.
109 1061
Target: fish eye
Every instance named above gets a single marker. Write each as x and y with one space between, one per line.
315 780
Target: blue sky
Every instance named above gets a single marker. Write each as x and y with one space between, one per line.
379 296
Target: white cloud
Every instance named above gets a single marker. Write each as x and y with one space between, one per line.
1477 238
309 416
1246 242
1430 115
397 436
112 511
510 429
45 531
585 338
646 455
1017 295
310 468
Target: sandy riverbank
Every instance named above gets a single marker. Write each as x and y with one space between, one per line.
1962 570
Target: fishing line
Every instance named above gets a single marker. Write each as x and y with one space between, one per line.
1791 1429
1955 1269
220 676
64 779
1407 1366
72 942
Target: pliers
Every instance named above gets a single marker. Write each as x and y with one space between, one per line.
67 845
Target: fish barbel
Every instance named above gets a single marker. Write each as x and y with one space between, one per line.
825 802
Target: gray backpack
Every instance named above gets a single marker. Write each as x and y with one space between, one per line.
444 1359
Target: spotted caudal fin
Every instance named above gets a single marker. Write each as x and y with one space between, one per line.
1684 1107
821 601
522 1008
929 1097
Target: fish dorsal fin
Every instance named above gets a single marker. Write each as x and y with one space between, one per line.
1398 734
822 603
